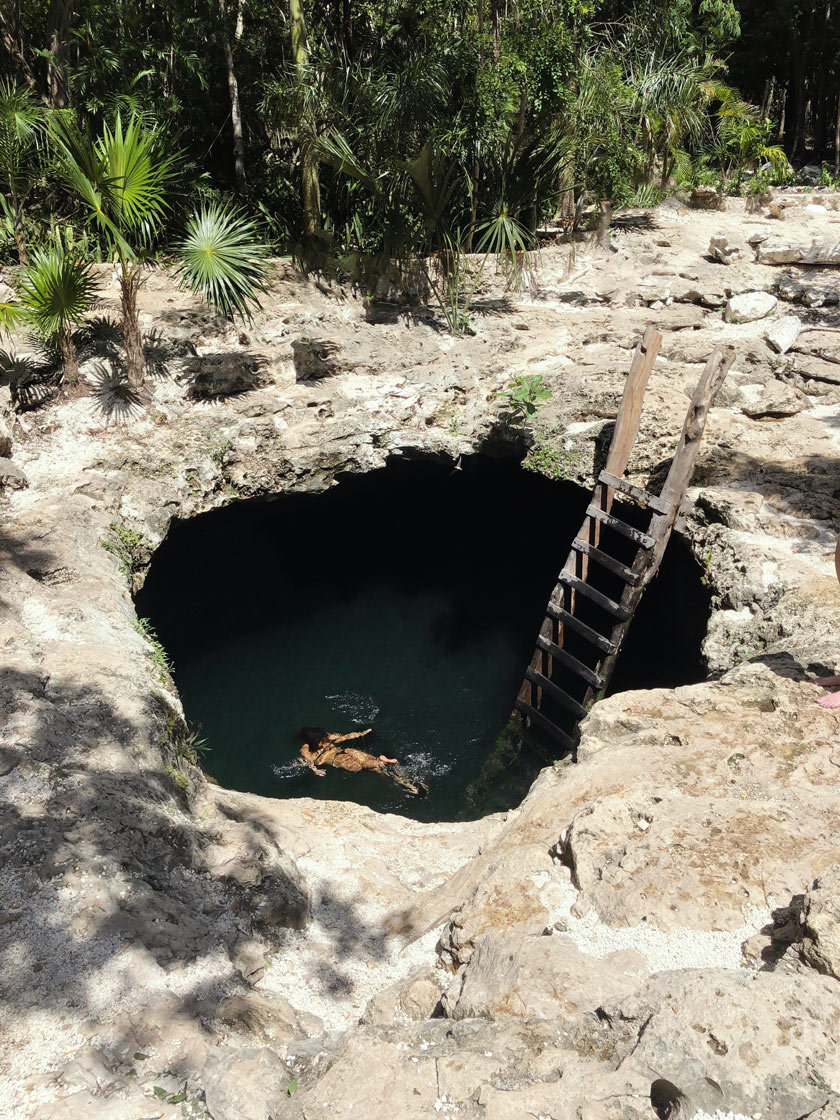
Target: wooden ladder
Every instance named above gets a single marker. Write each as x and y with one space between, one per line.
598 592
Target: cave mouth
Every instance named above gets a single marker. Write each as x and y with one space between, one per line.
407 599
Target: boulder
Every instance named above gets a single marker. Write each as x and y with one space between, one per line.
416 997
706 198
783 333
814 290
721 250
809 175
749 307
532 977
821 923
225 375
713 1040
267 1016
316 357
5 439
245 1084
773 400
12 477
775 251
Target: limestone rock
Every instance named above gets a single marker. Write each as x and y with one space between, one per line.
655 289
746 1043
225 375
5 439
821 923
774 400
12 477
245 1084
749 307
809 175
267 1016
775 251
783 333
814 289
316 357
531 977
706 198
721 250
416 997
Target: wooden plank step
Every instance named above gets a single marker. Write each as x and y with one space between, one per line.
565 658
607 604
542 721
643 540
635 492
556 693
606 561
587 632
597 640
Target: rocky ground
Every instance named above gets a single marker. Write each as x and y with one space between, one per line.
655 931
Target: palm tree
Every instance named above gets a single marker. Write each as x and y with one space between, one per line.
124 178
21 129
55 292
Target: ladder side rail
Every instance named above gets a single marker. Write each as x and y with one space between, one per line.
647 563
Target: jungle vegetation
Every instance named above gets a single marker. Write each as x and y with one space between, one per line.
354 133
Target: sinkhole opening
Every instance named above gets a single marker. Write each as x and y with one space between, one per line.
407 600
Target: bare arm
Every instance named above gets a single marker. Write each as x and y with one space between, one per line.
352 735
308 757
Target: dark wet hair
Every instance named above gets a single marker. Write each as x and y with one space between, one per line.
313 735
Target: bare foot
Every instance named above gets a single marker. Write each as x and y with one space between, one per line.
832 701
826 682
387 761
320 773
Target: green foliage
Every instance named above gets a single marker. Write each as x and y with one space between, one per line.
21 136
158 655
523 397
183 741
223 260
130 547
291 1088
56 291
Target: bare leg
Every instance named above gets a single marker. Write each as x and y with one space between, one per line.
827 682
387 761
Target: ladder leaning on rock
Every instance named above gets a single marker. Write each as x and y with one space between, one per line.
584 625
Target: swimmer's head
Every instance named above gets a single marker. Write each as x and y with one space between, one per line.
312 735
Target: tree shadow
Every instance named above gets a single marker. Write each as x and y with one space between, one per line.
217 377
32 378
114 399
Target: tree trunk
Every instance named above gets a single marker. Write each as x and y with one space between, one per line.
837 139
68 357
135 359
20 240
12 40
233 91
58 20
310 181
311 189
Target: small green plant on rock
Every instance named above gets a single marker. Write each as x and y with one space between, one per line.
158 655
522 398
130 547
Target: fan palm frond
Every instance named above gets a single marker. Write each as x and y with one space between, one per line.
223 260
55 292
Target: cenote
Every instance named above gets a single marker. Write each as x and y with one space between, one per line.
407 600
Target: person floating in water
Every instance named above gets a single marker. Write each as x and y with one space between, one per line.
323 748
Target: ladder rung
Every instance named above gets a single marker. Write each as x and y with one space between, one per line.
635 535
542 721
609 605
598 640
635 492
565 658
608 562
556 693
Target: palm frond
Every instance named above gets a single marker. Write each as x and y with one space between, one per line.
223 260
55 291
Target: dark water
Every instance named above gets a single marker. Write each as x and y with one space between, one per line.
406 600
